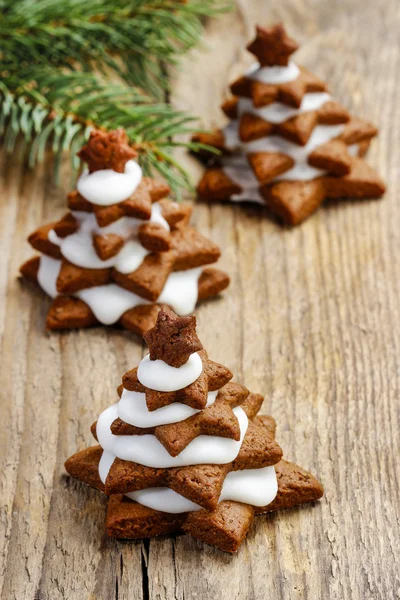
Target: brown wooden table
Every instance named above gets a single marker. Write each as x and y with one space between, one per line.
311 320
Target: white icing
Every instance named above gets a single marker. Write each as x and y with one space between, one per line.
49 269
108 187
163 499
275 74
157 375
156 216
231 135
353 149
273 143
257 487
279 113
238 169
132 409
301 172
103 431
79 250
53 238
181 291
147 450
130 257
105 464
251 486
109 302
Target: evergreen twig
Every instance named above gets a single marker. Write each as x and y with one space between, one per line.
56 60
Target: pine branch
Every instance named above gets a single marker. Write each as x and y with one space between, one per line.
130 38
61 108
56 60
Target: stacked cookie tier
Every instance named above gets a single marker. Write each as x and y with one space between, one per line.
184 449
289 144
123 249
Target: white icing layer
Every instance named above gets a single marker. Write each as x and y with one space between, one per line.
156 216
109 302
301 172
130 257
181 291
49 269
157 375
108 187
238 169
275 74
231 136
79 250
105 464
147 450
273 143
251 486
257 487
163 499
353 149
132 409
279 113
53 238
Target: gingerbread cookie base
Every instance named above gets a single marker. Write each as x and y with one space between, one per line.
67 312
295 201
123 250
184 449
288 144
224 528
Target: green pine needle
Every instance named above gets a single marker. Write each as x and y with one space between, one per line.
68 66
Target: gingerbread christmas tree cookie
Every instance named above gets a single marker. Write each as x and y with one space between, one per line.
184 449
123 249
289 145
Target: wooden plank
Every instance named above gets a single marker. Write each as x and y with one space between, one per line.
311 320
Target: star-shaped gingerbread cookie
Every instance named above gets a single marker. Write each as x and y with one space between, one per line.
272 46
173 339
107 150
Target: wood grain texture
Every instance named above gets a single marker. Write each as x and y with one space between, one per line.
311 320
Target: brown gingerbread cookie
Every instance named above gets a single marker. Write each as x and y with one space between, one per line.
289 145
124 250
206 469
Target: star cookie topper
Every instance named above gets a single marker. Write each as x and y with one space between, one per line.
173 339
107 150
272 46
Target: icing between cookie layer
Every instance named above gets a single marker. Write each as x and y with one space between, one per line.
49 269
109 302
157 375
148 451
108 187
132 409
79 250
273 75
274 143
238 169
181 291
279 113
257 487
